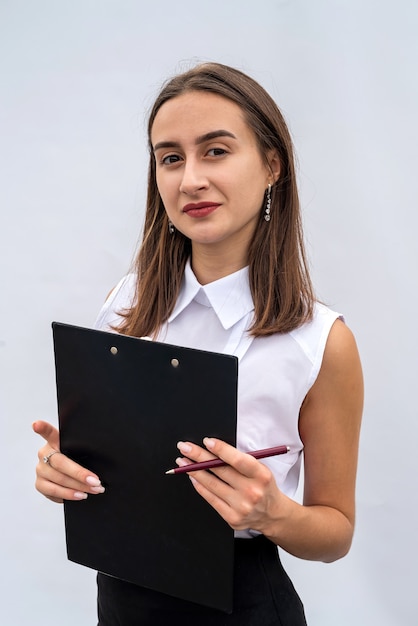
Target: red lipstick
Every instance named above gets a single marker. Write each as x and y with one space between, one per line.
200 209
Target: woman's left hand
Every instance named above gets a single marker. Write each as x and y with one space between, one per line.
242 492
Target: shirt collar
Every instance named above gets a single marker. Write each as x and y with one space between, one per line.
230 297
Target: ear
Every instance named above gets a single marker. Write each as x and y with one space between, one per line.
274 165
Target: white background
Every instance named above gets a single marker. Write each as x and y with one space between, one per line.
77 78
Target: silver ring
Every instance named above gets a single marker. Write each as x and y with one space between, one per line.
48 456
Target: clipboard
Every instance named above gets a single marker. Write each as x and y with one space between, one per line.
123 403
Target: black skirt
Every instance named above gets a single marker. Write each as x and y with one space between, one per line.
263 596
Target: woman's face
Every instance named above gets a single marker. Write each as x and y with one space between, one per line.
210 174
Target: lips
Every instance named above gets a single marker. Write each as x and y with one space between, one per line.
200 209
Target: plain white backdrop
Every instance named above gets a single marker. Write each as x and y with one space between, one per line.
76 81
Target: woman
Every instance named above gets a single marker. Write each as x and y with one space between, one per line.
222 267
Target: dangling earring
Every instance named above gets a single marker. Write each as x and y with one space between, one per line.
268 204
171 228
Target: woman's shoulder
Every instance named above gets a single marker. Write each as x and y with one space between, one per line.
318 327
125 287
119 299
312 336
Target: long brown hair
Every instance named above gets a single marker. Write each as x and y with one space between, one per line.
279 278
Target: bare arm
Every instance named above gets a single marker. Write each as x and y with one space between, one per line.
329 424
247 495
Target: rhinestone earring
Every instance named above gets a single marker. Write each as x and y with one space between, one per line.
268 204
171 228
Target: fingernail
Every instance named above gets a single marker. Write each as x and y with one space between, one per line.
80 495
94 482
193 480
181 462
100 489
209 443
185 448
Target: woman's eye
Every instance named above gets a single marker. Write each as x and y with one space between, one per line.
216 152
170 159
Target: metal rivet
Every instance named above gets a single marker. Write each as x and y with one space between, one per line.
114 350
175 362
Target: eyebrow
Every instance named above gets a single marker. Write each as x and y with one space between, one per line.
214 134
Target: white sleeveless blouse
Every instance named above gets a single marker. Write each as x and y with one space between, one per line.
275 372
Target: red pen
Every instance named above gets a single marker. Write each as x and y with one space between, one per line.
257 454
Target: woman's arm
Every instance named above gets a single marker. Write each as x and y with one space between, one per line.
329 425
247 495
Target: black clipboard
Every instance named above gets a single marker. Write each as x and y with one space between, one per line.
123 403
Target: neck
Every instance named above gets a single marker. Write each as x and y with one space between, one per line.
208 265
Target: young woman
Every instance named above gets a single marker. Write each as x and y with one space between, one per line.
222 267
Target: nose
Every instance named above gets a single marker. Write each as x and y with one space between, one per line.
193 179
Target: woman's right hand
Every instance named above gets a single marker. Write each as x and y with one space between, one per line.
59 478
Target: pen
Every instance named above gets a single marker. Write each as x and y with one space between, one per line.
257 454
